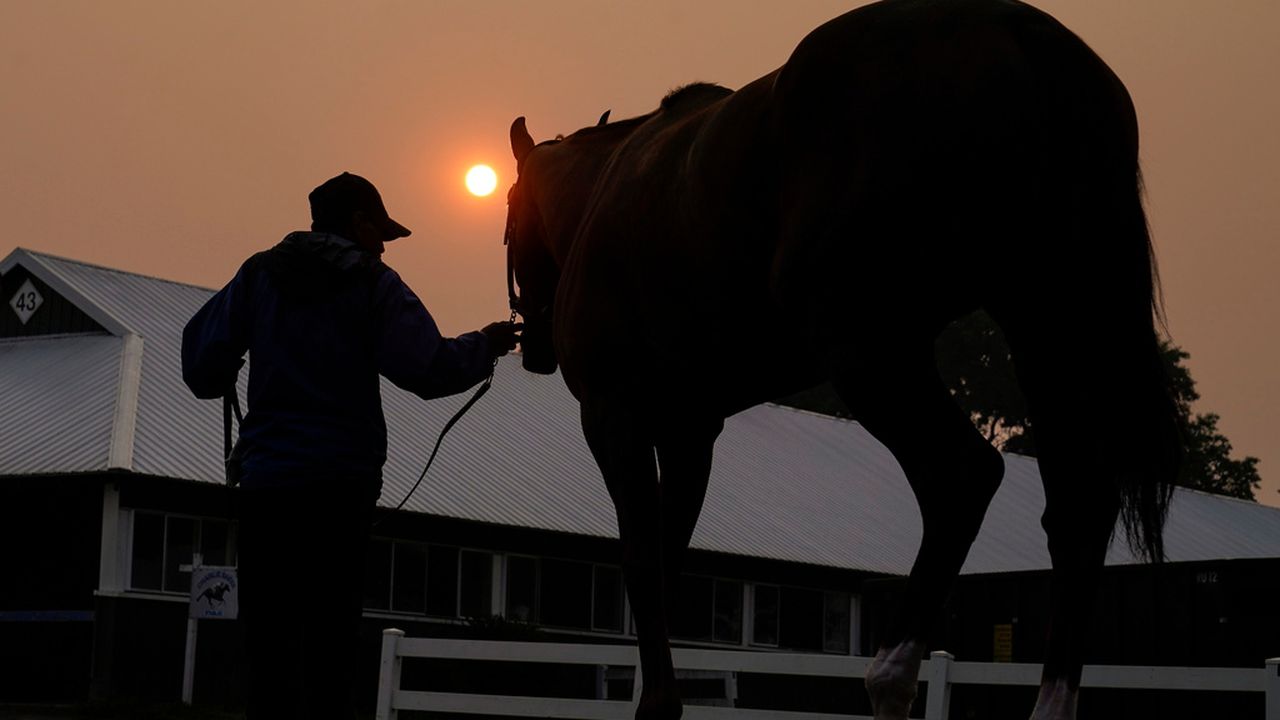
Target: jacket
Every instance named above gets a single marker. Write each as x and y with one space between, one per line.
321 319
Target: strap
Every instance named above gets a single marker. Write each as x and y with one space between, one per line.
230 404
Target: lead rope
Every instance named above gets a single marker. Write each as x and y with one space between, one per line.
484 388
230 408
480 391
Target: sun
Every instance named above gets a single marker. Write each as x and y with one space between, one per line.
481 180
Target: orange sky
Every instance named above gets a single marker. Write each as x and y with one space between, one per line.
175 139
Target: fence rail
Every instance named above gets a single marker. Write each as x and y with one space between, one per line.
940 671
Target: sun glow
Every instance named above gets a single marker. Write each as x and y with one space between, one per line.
481 180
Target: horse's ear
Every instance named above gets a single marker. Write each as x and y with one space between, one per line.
604 118
521 141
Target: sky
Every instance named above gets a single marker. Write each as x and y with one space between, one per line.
176 139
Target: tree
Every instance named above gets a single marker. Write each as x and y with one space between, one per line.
975 363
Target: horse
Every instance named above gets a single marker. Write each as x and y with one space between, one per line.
911 162
214 595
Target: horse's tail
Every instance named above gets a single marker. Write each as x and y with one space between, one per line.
1108 431
1150 454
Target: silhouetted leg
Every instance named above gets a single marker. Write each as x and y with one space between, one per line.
1079 525
954 472
1081 507
625 453
684 465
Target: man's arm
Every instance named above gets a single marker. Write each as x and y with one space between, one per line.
412 353
215 340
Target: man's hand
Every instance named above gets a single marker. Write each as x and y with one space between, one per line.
502 337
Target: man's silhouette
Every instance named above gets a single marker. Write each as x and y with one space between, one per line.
322 317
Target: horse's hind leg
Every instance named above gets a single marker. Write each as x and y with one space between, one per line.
624 450
953 471
1082 501
684 466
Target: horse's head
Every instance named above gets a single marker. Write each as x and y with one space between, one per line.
530 262
554 180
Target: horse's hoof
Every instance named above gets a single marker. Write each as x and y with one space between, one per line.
1057 701
664 708
891 702
891 683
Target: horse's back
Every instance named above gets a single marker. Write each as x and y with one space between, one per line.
925 144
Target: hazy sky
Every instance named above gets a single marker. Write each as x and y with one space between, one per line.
175 139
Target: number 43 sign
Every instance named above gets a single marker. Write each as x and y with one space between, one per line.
26 301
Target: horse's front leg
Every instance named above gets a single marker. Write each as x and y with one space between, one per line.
684 464
624 450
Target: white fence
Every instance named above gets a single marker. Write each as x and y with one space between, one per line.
940 671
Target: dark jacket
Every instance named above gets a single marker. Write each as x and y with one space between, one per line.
321 320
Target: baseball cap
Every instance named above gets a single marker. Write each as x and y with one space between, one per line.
336 199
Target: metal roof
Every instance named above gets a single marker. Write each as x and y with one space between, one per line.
786 484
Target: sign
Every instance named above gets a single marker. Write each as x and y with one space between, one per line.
1002 649
214 593
26 302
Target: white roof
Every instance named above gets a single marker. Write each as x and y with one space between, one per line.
787 484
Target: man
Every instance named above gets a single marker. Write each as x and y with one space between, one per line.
322 318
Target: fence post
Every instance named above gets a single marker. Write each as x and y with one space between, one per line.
1272 686
389 673
938 703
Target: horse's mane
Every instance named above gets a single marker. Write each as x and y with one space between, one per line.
698 93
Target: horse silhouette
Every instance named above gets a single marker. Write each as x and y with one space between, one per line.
214 595
913 160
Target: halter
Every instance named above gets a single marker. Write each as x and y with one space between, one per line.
508 237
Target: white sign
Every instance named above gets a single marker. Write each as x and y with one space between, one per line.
214 593
26 301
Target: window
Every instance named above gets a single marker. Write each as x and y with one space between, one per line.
565 594
162 543
179 544
765 623
409 578
692 614
148 551
442 581
522 589
606 605
835 624
476 591
428 579
800 619
728 612
377 575
216 542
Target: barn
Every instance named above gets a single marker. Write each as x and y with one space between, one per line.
111 485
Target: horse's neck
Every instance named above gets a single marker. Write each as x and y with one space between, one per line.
569 183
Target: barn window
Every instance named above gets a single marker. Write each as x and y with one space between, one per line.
693 613
476 584
179 544
408 577
148 551
564 594
442 581
607 594
522 589
728 612
377 575
836 622
161 543
764 624
800 619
